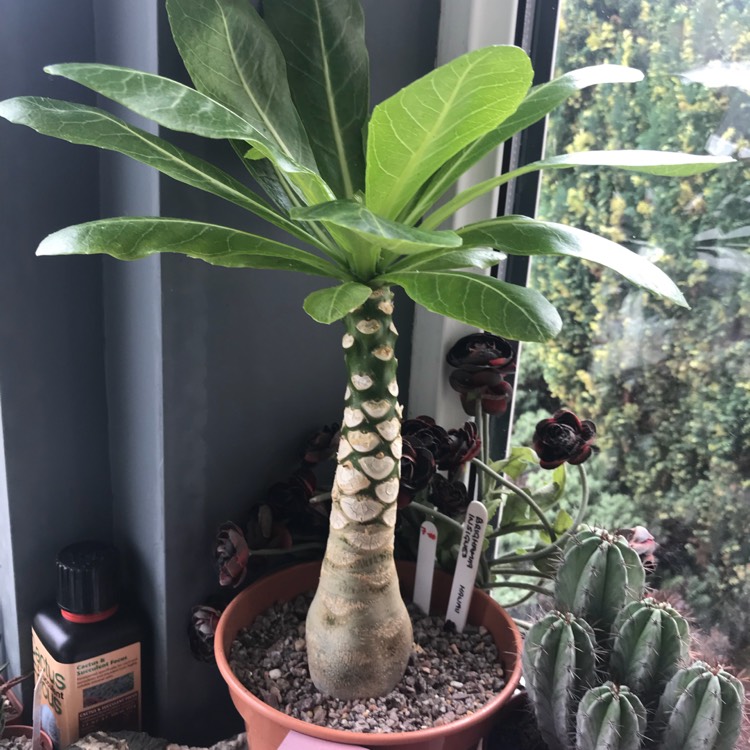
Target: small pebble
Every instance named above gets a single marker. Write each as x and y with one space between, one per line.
449 674
15 743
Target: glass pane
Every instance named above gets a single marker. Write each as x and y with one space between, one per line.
669 389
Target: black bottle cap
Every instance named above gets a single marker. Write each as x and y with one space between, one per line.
87 578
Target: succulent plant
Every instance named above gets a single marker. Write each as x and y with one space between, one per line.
651 643
5 704
610 717
362 191
598 576
3 712
559 666
701 709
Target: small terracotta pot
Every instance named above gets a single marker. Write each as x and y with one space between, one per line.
22 731
267 727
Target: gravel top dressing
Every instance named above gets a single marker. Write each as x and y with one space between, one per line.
449 675
16 743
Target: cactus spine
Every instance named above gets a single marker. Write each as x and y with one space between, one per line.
651 642
559 665
610 718
701 709
599 574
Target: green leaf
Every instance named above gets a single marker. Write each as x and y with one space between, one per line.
333 303
504 309
519 235
166 102
232 57
520 460
450 260
388 235
134 238
267 175
90 126
563 521
664 163
323 42
537 104
417 130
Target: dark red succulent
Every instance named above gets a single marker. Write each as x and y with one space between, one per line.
428 434
323 445
290 499
451 498
202 630
482 349
266 529
563 437
482 362
232 554
463 444
417 468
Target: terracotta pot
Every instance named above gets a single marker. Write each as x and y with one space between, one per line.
23 731
267 727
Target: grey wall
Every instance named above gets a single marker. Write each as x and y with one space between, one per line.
213 377
55 487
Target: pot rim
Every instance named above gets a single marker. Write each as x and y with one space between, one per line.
363 738
24 730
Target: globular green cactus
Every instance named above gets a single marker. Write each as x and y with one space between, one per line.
651 643
701 709
598 576
610 717
558 665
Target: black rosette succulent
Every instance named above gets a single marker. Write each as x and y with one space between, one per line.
449 497
291 499
563 437
461 445
232 554
417 469
202 631
323 444
482 363
266 529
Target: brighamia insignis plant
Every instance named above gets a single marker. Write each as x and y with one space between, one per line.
290 93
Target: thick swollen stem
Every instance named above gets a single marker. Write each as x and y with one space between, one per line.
359 635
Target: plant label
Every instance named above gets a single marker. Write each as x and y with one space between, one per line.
297 741
469 555
425 566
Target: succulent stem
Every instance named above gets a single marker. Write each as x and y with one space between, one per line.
359 635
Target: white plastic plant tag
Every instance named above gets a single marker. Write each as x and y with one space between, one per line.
425 566
36 713
296 741
469 554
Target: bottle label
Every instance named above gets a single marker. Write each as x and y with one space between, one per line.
100 693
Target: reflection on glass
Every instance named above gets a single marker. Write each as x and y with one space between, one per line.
669 389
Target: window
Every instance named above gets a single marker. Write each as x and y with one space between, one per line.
669 389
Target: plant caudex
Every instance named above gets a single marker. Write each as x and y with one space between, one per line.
633 689
290 93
